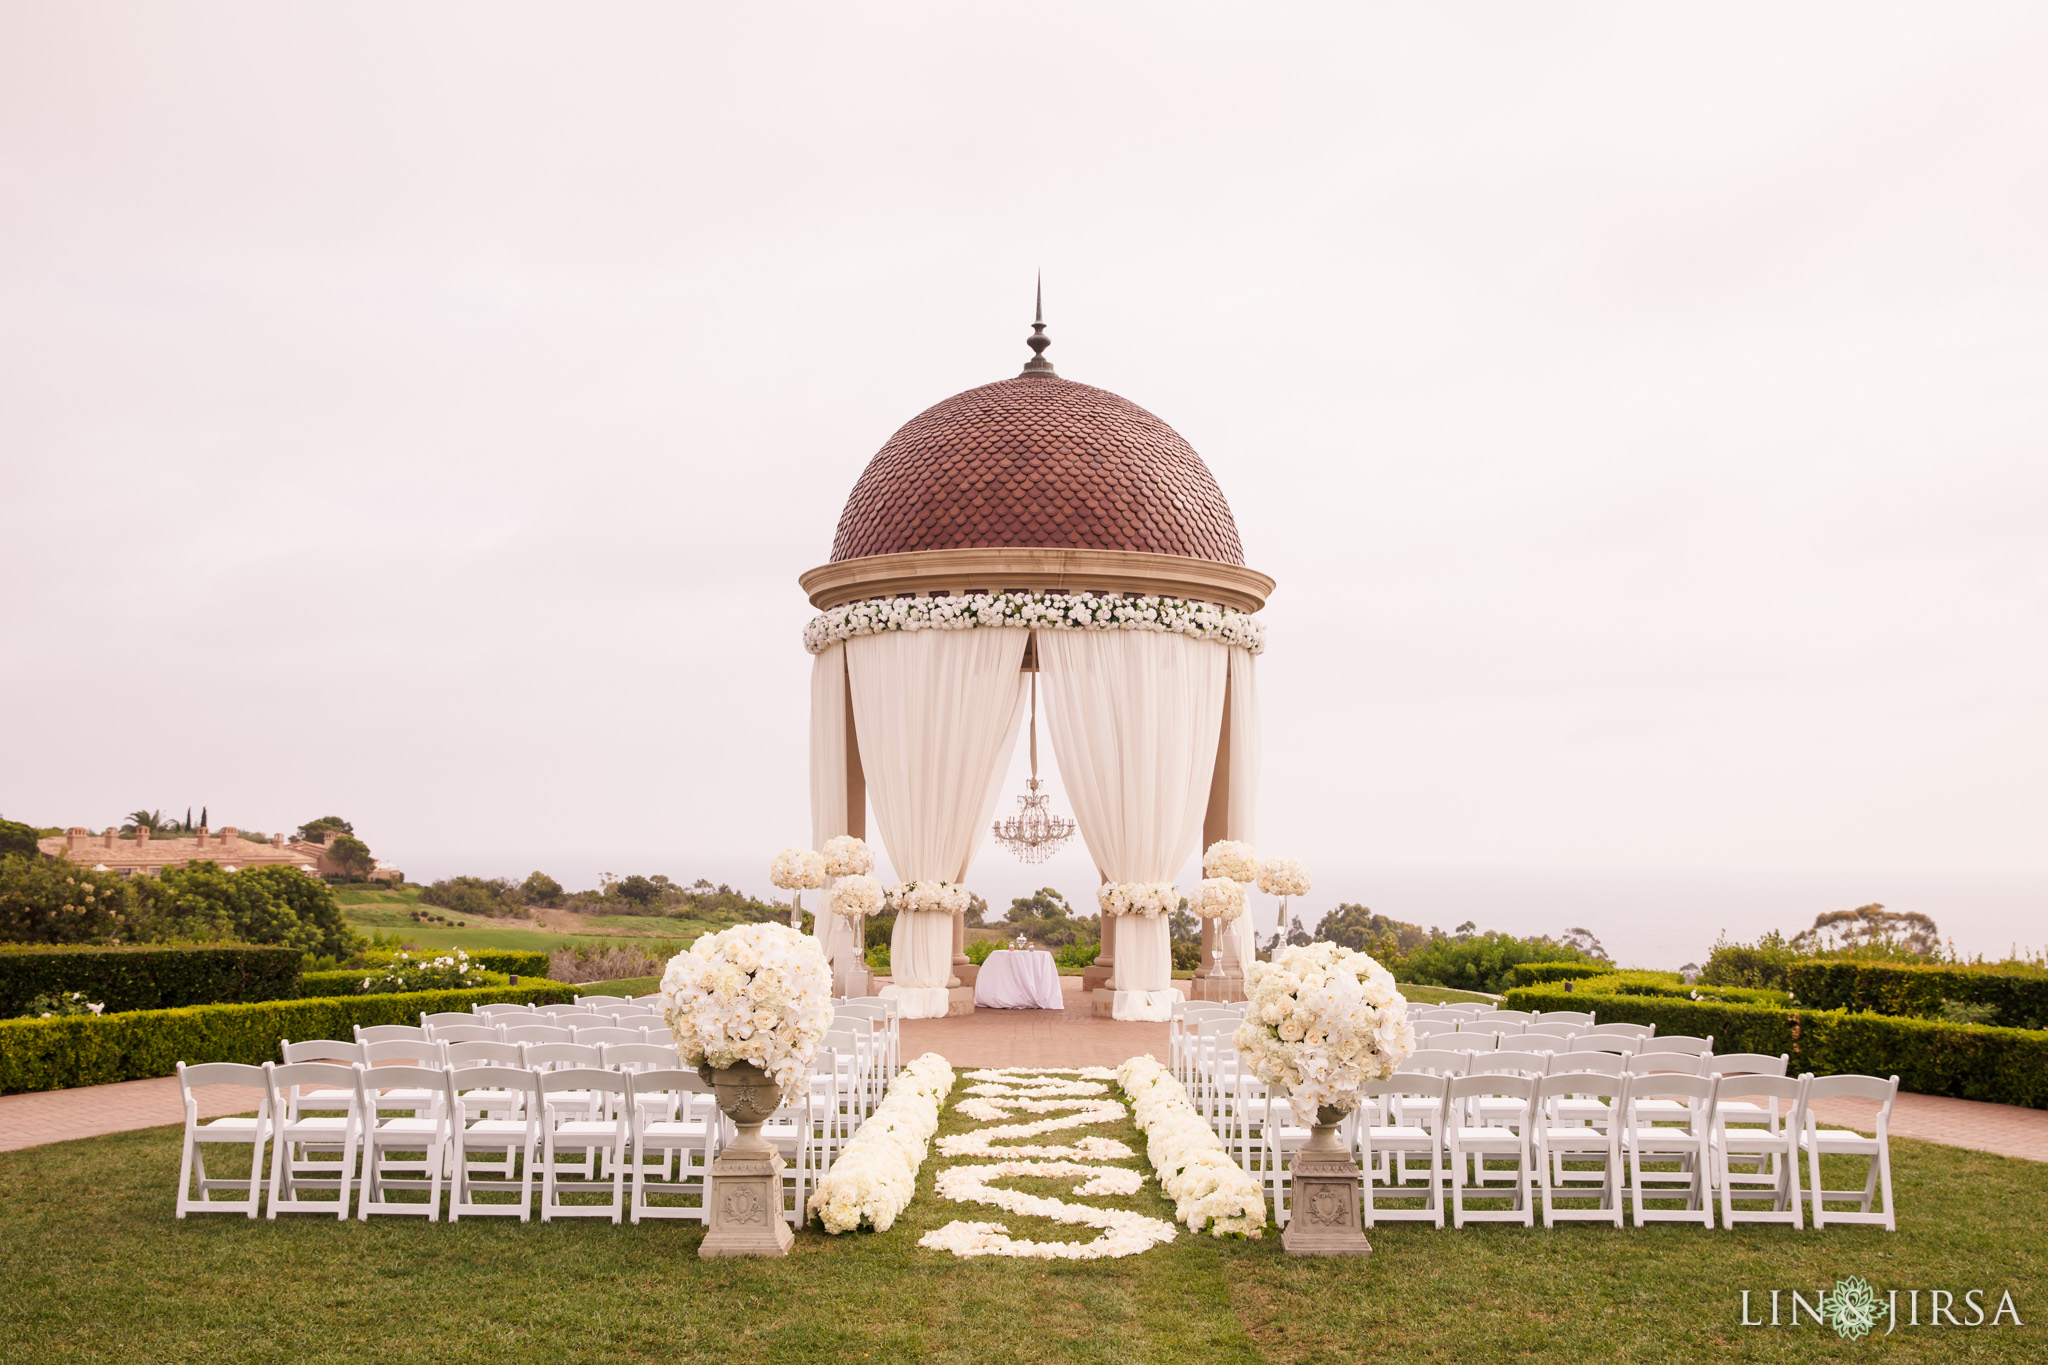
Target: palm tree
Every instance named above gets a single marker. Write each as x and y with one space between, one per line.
151 820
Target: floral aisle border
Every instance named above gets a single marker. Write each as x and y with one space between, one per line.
876 1172
1208 1189
1069 1103
1038 611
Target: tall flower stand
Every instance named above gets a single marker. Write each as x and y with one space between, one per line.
745 1197
1323 1209
1221 976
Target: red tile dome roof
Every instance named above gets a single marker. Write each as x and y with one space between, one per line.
1037 462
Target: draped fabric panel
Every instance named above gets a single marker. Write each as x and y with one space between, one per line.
1242 819
829 815
936 714
1134 718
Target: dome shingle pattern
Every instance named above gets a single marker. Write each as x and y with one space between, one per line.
1037 463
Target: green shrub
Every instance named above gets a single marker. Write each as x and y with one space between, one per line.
1536 973
1759 965
476 896
511 961
65 1005
878 959
2018 996
1481 962
149 977
49 900
978 951
56 1054
449 971
1082 955
1930 1057
18 840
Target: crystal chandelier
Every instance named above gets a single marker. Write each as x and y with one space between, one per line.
1033 833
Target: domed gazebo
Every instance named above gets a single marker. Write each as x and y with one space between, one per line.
1036 525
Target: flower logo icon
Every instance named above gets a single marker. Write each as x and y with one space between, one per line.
1853 1308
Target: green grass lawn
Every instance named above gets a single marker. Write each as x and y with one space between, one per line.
98 1270
390 913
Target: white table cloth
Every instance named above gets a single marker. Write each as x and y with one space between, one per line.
1011 980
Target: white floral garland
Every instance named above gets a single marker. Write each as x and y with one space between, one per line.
875 1175
928 898
1146 899
1037 611
1012 1090
1209 1190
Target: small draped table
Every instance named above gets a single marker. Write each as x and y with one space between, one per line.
1012 980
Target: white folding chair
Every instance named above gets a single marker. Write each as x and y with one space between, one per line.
494 1118
603 1034
537 1033
240 1132
1576 1019
1532 1042
1557 1140
1505 1017
1408 1100
425 1054
672 1155
1467 1142
1653 1132
1624 1044
475 1031
422 1130
462 1018
1818 1142
663 1035
1748 1064
790 1132
597 1001
1625 1030
1679 1042
500 1013
1546 1029
1755 1135
566 1097
892 1013
319 1107
390 1033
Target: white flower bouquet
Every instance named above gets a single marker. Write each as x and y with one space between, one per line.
759 993
846 856
1137 898
1321 1020
449 971
1232 859
1209 1189
875 1174
797 869
1283 877
928 898
1219 898
856 895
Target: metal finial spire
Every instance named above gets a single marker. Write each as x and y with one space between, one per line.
1038 366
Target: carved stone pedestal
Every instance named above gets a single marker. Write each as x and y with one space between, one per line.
1323 1206
746 1179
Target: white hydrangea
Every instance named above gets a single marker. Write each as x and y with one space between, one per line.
797 869
1321 1021
856 895
846 856
875 1175
1233 859
1219 898
1283 877
759 993
1040 611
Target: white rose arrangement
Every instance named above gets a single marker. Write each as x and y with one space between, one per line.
1219 898
1038 611
1283 877
1149 899
928 898
1232 859
875 1175
759 993
856 895
1209 1189
1321 1021
846 856
797 869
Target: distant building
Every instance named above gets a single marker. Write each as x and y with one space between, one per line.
142 854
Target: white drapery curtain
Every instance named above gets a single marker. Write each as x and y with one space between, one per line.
1242 818
935 714
829 815
1134 718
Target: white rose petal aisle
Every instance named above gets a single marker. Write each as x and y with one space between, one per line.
876 1172
1070 1099
1320 1021
1209 1190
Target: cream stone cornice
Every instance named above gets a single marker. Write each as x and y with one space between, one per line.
924 572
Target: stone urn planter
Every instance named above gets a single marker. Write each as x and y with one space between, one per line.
745 1196
1323 1218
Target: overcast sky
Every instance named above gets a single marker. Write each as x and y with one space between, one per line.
421 413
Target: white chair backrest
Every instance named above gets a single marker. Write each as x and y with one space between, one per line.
1854 1088
1678 1042
1465 1041
1438 1061
489 1011
671 1080
1597 1084
1563 1017
1604 1042
384 1033
462 1033
1498 1063
423 1052
1546 1029
1488 1083
225 1073
602 1000
1606 1063
1531 1042
1467 1007
326 1087
515 1079
1420 1085
538 1033
1667 1064
1749 1064
663 1035
467 1017
557 1011
1755 1087
553 1056
638 1056
483 1054
322 1050
373 1080
1693 1089
1626 1030
1512 1016
584 1078
602 1035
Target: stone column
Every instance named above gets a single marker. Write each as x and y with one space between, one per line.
1216 979
964 972
1102 976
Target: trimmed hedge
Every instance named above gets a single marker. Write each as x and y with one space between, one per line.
149 976
1536 973
1967 1061
1911 989
56 1054
510 961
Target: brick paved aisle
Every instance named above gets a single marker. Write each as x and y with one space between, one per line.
1069 1037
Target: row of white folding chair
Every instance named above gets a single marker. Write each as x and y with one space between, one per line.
557 1030
1484 1023
527 1118
886 1013
1563 1041
873 1024
1192 1028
